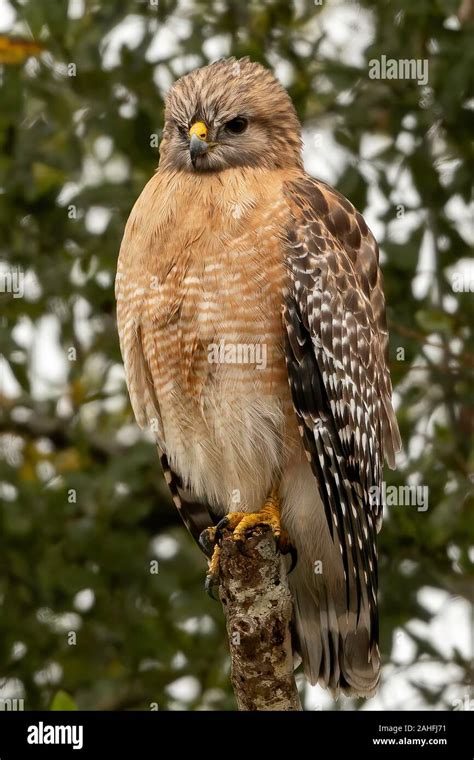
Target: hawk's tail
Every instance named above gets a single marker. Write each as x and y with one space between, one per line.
335 649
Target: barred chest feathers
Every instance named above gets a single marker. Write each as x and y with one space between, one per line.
205 300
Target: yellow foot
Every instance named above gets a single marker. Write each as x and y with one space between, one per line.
212 577
241 523
269 514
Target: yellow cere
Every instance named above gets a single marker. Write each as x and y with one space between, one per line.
199 129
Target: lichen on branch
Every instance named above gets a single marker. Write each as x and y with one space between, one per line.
257 606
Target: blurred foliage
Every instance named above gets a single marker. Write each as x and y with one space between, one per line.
85 512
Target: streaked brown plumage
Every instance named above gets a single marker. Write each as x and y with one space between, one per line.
236 246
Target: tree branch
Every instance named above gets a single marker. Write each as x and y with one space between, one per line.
257 606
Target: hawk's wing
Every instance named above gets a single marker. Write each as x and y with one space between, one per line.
195 515
336 353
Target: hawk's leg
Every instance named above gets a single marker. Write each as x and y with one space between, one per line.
208 543
239 524
242 522
212 577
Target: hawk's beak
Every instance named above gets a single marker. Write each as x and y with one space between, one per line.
198 143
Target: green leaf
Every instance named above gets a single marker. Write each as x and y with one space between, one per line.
62 701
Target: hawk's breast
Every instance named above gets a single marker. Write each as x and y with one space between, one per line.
207 310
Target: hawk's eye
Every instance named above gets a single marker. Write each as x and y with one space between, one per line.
237 126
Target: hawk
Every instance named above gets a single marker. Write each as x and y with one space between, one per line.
251 317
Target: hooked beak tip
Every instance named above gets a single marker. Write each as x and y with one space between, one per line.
197 147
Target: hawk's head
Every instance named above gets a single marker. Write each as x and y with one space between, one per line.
230 113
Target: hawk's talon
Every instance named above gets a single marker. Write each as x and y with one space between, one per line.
240 523
212 578
229 522
220 527
293 552
268 515
208 540
286 547
212 586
